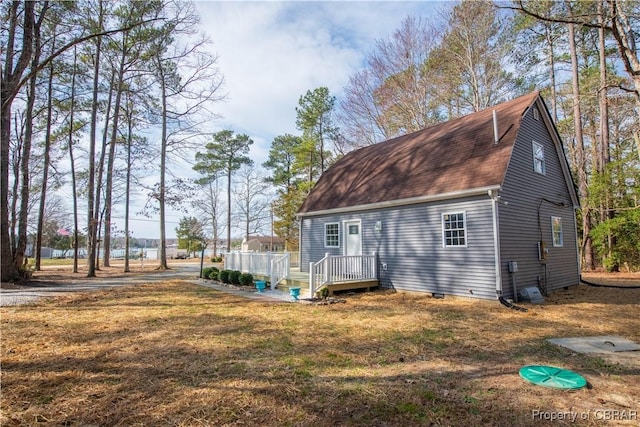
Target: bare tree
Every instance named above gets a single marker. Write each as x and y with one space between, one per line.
396 92
209 202
580 159
253 203
129 52
619 25
226 154
47 160
474 49
189 83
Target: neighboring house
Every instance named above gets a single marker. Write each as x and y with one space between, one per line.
448 208
263 244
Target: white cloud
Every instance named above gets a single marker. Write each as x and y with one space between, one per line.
271 53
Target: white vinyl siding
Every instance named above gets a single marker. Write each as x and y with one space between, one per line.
538 158
556 231
332 235
454 230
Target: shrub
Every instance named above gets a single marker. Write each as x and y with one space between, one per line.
234 277
246 279
213 275
224 276
205 272
216 259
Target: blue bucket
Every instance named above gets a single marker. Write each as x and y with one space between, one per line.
260 285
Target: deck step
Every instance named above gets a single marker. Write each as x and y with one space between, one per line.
301 280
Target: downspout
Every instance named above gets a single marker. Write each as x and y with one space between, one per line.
575 230
300 219
493 194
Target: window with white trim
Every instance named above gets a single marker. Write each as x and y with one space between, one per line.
538 158
536 113
332 235
454 230
556 231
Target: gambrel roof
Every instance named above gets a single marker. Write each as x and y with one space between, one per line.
447 160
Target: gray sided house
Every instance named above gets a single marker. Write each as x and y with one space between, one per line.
452 209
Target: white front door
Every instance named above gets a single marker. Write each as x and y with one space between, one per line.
352 238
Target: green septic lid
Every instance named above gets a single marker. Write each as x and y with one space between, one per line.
549 376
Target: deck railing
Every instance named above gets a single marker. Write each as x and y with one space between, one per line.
294 259
332 269
280 269
274 265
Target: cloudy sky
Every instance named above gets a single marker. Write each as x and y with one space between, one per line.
272 52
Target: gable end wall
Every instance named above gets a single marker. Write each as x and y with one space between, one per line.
527 217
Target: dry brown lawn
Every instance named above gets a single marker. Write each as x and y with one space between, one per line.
177 354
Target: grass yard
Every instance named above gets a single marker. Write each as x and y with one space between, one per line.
177 354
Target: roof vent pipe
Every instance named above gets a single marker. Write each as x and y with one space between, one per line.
496 138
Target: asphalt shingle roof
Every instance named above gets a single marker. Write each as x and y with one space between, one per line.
450 157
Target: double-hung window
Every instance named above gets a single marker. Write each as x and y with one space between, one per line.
332 235
454 230
556 231
538 158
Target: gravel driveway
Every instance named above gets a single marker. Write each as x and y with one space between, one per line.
29 294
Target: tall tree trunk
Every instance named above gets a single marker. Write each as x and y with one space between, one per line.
73 166
163 166
625 38
92 224
16 182
229 208
587 249
127 268
23 216
99 211
45 166
214 219
552 72
604 156
111 161
8 86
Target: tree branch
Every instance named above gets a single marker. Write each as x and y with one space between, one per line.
11 95
558 19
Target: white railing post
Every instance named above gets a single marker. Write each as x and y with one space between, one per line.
272 275
328 268
374 265
312 279
269 264
287 267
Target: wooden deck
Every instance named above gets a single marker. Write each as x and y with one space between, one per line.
301 280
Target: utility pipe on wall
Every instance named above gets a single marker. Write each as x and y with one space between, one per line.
496 137
493 195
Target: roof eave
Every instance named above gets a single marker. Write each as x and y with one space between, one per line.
402 202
